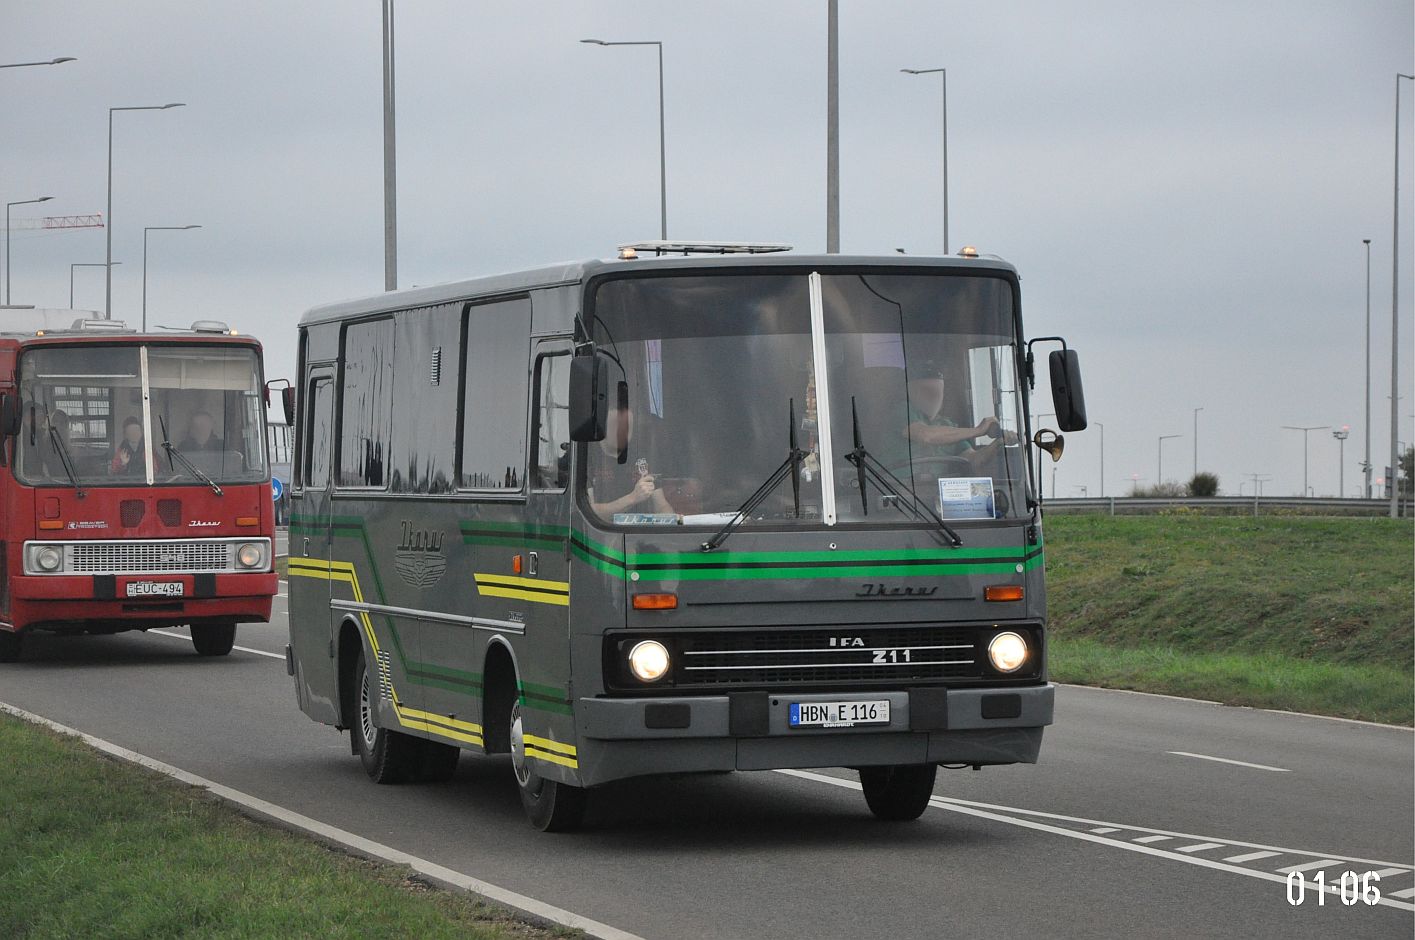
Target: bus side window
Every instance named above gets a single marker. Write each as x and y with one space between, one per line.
551 438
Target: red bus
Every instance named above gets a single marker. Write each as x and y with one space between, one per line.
134 485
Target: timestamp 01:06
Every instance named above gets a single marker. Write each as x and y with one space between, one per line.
1351 887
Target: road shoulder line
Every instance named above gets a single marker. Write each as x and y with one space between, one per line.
445 877
1249 708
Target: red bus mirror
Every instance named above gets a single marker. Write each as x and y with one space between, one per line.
9 414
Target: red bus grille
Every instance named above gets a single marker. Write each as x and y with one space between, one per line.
130 513
118 557
170 511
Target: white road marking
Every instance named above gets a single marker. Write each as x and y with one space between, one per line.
1225 760
1145 839
327 833
1387 872
1406 893
1251 857
1310 866
1201 847
996 814
243 649
1105 829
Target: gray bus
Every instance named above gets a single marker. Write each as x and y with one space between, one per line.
702 507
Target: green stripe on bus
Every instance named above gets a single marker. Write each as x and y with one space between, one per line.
851 571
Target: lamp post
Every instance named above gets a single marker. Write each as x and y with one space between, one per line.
1395 314
1366 466
944 74
22 202
832 127
154 228
108 219
1341 437
1196 440
1315 427
662 146
1159 469
390 147
81 264
59 61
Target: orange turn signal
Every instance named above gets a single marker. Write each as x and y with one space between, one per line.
655 601
51 523
1003 592
515 564
247 521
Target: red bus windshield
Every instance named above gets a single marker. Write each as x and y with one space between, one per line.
100 416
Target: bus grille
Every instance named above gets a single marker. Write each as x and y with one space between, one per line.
135 556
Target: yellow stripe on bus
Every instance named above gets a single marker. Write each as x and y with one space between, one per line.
551 758
546 744
535 590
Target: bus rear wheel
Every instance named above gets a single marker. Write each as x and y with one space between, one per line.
898 792
387 756
551 806
213 639
10 644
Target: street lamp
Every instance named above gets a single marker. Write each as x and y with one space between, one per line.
390 151
1102 427
1196 440
1315 427
154 228
108 219
22 202
81 264
59 61
1159 469
662 148
1395 312
1341 437
1366 467
944 74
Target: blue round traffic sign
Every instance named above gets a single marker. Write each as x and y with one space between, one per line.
276 488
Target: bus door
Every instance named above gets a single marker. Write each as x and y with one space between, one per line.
311 581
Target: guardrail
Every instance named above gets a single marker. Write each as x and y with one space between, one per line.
1227 505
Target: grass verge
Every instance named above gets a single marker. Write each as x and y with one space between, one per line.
92 847
1293 613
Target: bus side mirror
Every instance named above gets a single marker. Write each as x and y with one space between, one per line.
589 398
287 399
9 414
1066 393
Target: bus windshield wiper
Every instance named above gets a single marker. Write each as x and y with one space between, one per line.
57 441
867 466
791 467
191 468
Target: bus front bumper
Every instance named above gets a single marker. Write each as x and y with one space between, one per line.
71 601
751 731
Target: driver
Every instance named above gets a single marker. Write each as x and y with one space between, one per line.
930 433
608 476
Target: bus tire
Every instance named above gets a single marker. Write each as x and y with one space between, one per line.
551 806
387 756
10 644
213 639
439 762
898 792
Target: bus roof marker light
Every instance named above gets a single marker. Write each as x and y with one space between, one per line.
967 251
627 253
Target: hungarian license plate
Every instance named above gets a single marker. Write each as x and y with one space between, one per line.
155 589
838 714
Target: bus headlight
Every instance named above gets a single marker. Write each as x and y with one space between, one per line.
250 555
1007 652
48 558
648 660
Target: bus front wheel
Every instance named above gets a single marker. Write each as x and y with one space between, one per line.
550 806
213 639
898 792
387 756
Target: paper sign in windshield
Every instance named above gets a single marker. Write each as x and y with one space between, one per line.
965 498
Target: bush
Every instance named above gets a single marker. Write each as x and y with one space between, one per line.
1204 485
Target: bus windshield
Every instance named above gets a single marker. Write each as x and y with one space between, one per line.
99 415
722 368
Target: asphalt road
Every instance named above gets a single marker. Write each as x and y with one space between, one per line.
1128 826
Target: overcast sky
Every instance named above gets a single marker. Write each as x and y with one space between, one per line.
1183 186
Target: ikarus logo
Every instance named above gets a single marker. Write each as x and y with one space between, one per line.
202 524
418 559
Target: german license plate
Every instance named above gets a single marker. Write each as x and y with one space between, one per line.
155 589
838 714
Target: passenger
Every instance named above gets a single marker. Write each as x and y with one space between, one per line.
930 433
132 445
199 435
632 479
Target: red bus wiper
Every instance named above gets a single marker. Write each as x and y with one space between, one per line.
192 468
791 467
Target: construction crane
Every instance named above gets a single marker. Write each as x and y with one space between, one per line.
92 220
